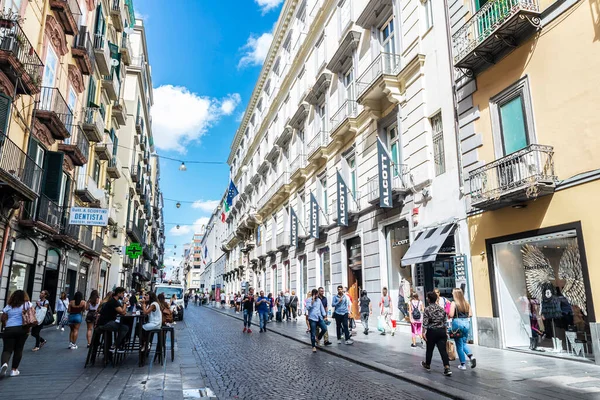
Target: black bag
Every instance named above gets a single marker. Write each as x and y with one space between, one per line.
416 313
49 318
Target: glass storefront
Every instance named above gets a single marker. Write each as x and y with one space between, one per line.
19 278
399 277
541 296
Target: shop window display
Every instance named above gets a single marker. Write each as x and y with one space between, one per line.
400 278
541 293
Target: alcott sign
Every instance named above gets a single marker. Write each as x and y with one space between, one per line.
88 216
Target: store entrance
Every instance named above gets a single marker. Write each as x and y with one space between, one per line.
70 283
355 279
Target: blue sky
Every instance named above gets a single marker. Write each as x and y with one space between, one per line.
205 57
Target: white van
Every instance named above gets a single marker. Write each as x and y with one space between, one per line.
170 289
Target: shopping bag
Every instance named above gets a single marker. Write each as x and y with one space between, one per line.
40 315
450 350
380 324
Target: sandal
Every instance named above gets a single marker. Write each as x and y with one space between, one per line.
43 343
35 349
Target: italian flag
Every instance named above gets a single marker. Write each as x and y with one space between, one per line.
225 211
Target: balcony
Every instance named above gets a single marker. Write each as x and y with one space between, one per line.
398 185
83 51
494 31
513 179
297 120
134 230
283 240
87 189
18 59
271 246
317 146
119 111
143 143
68 233
104 149
297 165
375 13
318 91
112 216
285 137
67 13
52 110
135 172
86 238
43 214
97 245
125 49
102 54
148 252
111 83
116 13
93 124
77 147
379 82
139 125
273 153
343 121
18 171
113 168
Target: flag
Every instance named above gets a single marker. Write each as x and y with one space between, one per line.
384 166
293 228
231 193
342 201
314 217
223 216
205 251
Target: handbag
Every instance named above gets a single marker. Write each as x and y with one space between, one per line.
380 324
29 318
450 350
40 314
49 318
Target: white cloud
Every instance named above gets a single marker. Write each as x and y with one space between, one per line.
183 230
268 5
256 50
189 230
180 117
206 205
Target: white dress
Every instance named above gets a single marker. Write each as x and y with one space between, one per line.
154 319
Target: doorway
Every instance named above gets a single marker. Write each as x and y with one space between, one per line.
83 275
70 283
50 282
355 278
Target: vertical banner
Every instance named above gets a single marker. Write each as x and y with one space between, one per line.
314 217
342 201
384 166
293 228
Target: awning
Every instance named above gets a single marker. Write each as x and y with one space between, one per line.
427 244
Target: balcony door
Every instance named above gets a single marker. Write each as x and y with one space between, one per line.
388 45
348 81
48 79
72 103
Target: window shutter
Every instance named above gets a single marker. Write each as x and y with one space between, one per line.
53 175
67 198
115 144
32 148
92 91
5 103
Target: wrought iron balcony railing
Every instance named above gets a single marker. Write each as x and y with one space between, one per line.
298 163
348 110
384 64
517 177
398 185
18 170
321 139
93 123
18 59
54 112
42 210
83 51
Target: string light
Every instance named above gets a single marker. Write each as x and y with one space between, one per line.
182 167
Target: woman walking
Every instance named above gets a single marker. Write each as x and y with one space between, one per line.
92 312
61 308
15 334
36 330
150 307
76 307
434 321
415 312
460 310
316 316
366 309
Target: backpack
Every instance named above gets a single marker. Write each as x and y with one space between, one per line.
416 313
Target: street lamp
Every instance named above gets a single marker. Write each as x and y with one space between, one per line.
182 167
178 205
177 226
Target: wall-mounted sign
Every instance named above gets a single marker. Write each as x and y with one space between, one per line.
88 216
134 250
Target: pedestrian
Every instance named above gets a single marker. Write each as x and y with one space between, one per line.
110 320
434 321
165 309
271 305
231 300
61 308
133 301
222 296
294 305
280 302
461 311
386 310
366 309
341 307
151 308
316 315
306 301
15 334
248 308
186 300
262 306
196 299
415 312
42 303
76 308
323 299
92 313
238 303
287 298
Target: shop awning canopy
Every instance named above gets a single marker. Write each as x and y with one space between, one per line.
427 245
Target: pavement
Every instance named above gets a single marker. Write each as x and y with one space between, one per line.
500 374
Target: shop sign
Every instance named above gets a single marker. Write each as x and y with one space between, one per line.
134 250
293 228
342 203
384 164
314 217
88 216
400 242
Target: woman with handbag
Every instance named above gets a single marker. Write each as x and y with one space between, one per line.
460 310
41 307
61 309
76 308
17 317
92 313
436 335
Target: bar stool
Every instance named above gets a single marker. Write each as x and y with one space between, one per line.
100 345
158 352
166 330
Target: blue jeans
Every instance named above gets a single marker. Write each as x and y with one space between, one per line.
341 324
247 318
313 330
264 318
462 325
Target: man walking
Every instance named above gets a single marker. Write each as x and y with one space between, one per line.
248 308
386 310
287 305
294 305
323 299
341 306
262 306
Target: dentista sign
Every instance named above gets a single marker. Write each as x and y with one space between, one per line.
88 216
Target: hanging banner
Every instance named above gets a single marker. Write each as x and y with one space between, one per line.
384 166
314 217
293 228
342 201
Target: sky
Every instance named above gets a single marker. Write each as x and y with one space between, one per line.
205 58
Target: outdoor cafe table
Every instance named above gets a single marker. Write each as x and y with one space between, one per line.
135 320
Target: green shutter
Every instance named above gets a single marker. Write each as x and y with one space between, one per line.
67 198
53 173
92 92
5 103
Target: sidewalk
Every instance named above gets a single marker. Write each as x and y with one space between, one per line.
500 374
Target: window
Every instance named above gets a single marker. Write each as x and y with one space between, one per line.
345 13
12 6
349 85
427 7
320 53
394 148
388 38
72 103
438 144
351 161
63 189
326 272
324 198
512 119
96 172
322 118
84 12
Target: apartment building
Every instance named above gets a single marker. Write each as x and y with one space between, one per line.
213 257
138 198
339 78
527 131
